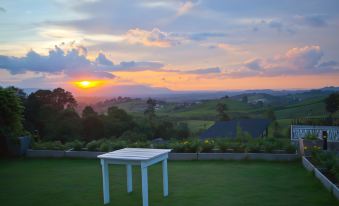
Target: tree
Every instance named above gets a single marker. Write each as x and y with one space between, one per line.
117 121
92 124
11 111
63 99
332 103
43 108
68 125
89 112
221 109
150 110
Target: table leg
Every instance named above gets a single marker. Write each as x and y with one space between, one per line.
129 178
105 181
144 180
165 177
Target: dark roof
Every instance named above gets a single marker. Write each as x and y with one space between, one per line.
255 127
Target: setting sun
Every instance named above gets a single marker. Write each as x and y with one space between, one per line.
87 84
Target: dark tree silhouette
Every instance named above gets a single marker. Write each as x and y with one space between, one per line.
150 110
221 109
332 103
11 110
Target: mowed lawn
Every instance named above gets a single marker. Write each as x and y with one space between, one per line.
199 183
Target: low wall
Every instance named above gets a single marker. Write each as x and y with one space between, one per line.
172 156
322 178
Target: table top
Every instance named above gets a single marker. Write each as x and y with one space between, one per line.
139 154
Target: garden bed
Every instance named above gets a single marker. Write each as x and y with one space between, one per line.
172 155
325 178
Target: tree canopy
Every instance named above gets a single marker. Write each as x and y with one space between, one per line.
332 102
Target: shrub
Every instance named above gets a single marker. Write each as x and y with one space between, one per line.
253 146
140 144
118 144
223 145
289 148
75 145
161 146
207 145
93 145
105 146
53 145
237 146
177 146
191 146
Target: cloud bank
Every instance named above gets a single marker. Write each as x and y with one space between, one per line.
72 62
296 61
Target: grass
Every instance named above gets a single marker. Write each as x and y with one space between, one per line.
197 126
200 183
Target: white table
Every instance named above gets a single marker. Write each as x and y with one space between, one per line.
135 156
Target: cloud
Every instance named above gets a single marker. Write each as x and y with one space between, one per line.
213 70
153 38
3 10
205 35
315 20
185 7
230 48
296 61
132 66
102 60
71 62
253 64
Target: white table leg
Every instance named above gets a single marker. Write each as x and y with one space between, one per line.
129 178
144 180
105 181
165 177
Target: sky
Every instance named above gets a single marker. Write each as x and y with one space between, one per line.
175 45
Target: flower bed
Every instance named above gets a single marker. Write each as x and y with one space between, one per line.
323 178
269 145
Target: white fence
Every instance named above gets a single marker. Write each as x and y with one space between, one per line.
300 131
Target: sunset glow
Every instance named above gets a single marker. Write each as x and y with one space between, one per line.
182 45
87 84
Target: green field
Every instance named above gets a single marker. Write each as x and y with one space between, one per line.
197 126
308 108
201 114
55 182
206 110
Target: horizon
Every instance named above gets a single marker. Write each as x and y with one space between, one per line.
97 46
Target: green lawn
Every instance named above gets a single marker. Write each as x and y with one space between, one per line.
199 183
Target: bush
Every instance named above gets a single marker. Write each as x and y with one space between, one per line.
53 145
223 145
75 145
253 146
161 146
177 146
140 144
207 145
191 146
93 145
105 146
118 144
289 148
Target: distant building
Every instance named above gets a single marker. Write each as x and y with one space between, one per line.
228 129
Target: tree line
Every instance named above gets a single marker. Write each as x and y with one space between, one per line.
52 115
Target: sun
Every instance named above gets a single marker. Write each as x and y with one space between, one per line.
85 84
